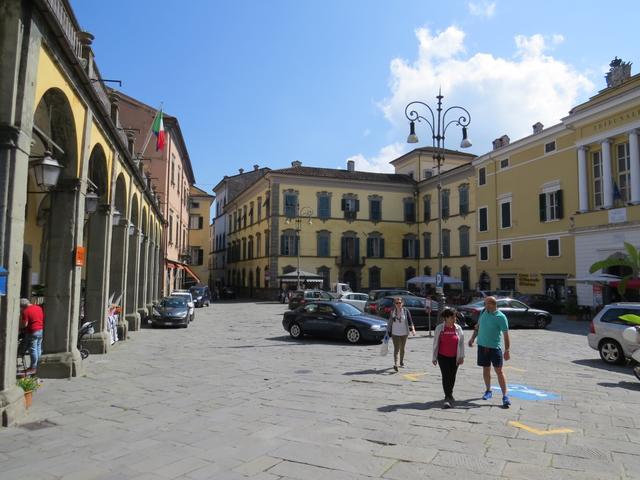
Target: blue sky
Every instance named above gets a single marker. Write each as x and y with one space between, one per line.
321 81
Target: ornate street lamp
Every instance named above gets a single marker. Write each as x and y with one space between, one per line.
438 125
301 213
91 202
46 170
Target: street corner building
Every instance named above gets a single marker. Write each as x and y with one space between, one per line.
82 225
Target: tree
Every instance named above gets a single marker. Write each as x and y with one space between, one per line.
630 260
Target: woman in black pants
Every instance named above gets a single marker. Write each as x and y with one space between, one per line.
448 352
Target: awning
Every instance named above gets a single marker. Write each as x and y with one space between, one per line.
185 267
595 278
304 276
430 280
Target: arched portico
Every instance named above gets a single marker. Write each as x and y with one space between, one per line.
144 263
131 305
119 253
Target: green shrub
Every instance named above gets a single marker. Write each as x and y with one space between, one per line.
28 384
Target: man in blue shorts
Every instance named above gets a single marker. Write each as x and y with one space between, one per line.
491 328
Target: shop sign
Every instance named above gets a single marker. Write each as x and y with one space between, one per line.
618 215
81 254
528 279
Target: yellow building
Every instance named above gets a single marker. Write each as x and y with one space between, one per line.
199 233
365 229
551 204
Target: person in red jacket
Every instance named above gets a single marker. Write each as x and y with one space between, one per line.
32 322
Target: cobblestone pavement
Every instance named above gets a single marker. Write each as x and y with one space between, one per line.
234 397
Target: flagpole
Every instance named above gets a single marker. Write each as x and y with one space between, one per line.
146 142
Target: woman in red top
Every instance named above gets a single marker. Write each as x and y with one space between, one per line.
448 352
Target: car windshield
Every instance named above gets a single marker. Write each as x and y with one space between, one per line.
346 309
197 291
174 302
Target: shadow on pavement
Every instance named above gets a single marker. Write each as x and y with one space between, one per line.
560 323
370 371
307 340
599 364
623 384
437 404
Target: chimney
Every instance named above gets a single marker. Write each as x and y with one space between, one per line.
497 143
537 128
351 165
256 167
115 110
241 170
131 142
296 164
86 39
505 140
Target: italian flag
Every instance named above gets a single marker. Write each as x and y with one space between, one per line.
158 130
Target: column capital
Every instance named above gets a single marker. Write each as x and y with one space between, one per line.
583 148
606 140
634 131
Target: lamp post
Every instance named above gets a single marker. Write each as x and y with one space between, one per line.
302 213
438 124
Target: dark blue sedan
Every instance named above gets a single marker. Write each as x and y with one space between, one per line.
335 320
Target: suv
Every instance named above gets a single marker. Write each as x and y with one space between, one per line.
374 295
605 332
300 297
201 295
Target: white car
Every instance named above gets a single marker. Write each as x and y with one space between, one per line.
358 300
190 302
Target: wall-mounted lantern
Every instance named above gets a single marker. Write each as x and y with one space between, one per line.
46 170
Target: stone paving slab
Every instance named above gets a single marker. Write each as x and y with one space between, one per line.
266 407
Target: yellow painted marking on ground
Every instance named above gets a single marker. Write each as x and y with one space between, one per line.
509 367
413 376
537 431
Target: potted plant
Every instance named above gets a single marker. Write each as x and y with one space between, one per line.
29 385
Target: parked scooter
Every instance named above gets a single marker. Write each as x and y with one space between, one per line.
632 335
85 329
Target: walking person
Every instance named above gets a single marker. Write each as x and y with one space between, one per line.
492 331
448 352
32 321
399 325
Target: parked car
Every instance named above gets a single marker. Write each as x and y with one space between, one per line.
605 332
375 295
171 311
335 320
300 297
480 294
201 295
518 313
227 293
416 305
192 306
543 302
358 300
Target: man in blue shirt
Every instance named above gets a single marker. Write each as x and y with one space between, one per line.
491 328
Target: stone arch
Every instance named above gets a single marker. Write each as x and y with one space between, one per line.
55 131
119 242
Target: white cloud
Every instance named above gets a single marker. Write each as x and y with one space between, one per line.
380 162
503 95
482 9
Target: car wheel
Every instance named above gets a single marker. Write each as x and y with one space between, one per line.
611 352
295 331
353 335
541 322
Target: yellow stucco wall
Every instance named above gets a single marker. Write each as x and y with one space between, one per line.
49 76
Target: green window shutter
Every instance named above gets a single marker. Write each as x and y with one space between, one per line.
559 205
542 199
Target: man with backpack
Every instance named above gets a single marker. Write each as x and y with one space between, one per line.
492 331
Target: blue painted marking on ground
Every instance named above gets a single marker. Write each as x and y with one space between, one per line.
525 392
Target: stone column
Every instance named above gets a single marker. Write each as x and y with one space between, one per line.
583 184
97 279
132 316
634 154
149 281
142 282
607 179
118 272
158 271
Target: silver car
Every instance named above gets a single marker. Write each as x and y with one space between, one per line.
358 300
192 306
605 332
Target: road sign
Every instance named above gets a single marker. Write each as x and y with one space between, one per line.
439 280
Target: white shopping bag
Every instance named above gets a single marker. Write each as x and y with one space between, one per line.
384 348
